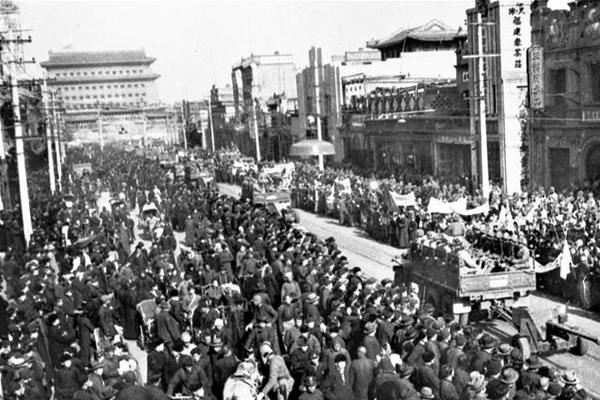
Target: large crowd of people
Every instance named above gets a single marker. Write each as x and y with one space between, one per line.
542 219
248 306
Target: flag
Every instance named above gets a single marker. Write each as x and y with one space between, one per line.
565 261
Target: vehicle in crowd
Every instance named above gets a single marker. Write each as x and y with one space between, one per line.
150 217
558 336
451 287
80 168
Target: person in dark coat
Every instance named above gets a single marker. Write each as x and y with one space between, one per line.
225 366
370 343
426 375
128 300
166 326
85 330
58 339
361 374
447 389
336 385
68 378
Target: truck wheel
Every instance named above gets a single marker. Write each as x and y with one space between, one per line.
522 343
581 348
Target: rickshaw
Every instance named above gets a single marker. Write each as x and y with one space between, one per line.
149 219
147 311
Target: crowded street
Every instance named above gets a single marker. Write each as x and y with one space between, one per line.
300 200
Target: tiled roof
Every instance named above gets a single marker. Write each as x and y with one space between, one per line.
96 57
432 31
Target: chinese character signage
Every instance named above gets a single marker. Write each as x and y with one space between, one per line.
517 14
536 77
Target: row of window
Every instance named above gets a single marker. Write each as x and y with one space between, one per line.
100 87
110 103
108 96
114 72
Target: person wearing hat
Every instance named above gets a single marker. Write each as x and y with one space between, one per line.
336 385
497 390
68 378
426 393
427 375
311 308
97 386
279 378
475 386
311 391
391 385
369 342
484 355
261 310
128 388
167 327
361 374
187 380
530 378
262 333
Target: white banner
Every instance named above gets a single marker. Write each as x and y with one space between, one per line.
442 207
404 200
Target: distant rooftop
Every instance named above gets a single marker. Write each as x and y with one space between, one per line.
433 31
258 59
86 58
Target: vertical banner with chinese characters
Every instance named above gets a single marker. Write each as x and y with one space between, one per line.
514 31
536 77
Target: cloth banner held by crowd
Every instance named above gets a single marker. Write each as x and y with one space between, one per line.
393 200
436 206
563 261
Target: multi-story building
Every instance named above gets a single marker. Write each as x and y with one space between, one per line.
112 78
564 78
410 110
256 80
433 36
505 38
114 91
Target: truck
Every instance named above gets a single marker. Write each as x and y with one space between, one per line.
452 288
253 191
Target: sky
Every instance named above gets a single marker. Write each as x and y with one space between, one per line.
196 42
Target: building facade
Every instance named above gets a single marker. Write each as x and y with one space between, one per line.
417 118
433 36
505 39
112 92
256 82
112 78
565 95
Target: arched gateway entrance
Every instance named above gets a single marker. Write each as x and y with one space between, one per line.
592 163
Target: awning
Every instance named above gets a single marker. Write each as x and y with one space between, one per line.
312 147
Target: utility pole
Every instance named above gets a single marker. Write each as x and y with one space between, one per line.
483 148
100 128
255 130
18 128
481 100
184 124
316 58
57 149
210 121
48 137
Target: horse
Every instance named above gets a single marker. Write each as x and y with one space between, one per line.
244 383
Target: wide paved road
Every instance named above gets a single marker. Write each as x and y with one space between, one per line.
374 259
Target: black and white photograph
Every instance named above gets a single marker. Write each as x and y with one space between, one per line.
299 200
